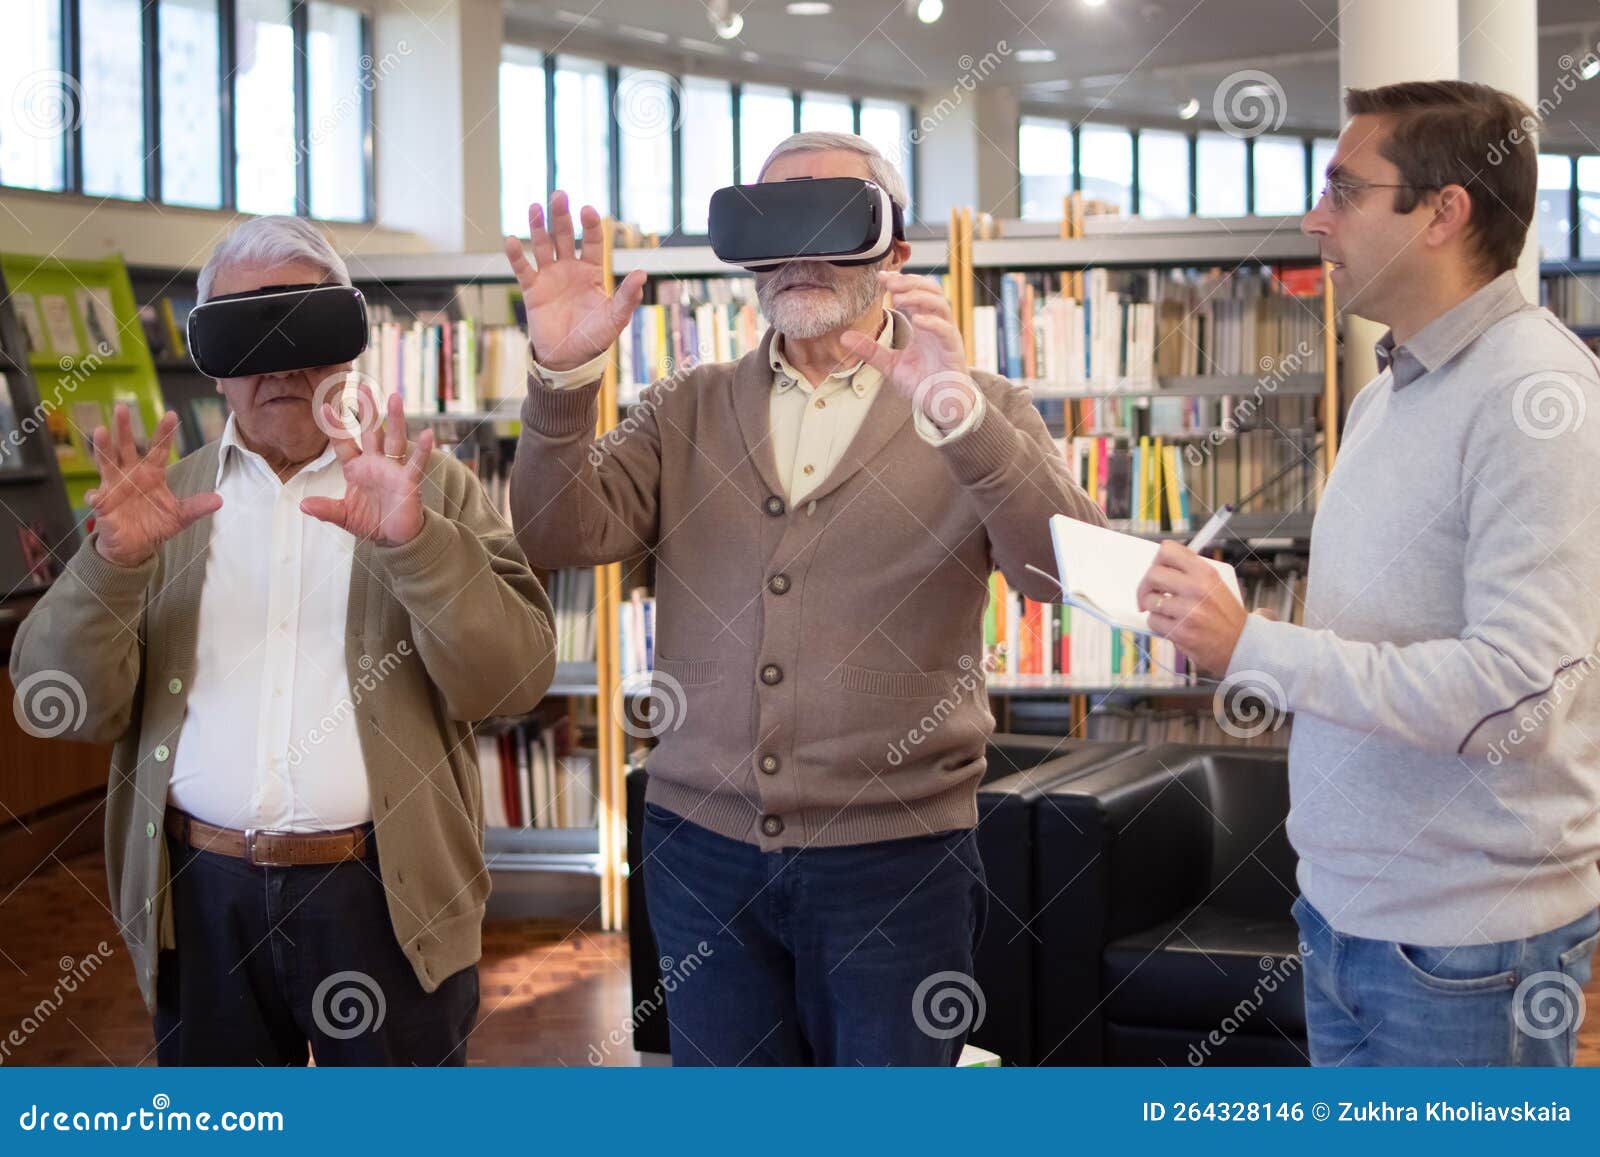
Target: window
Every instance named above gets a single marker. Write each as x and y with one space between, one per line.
39 101
1280 175
887 125
1554 215
337 85
826 112
523 176
1219 175
1589 207
645 106
707 146
583 144
1322 150
1044 162
1163 174
1106 163
264 137
766 117
191 123
112 73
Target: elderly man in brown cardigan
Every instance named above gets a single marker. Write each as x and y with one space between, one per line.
823 516
288 635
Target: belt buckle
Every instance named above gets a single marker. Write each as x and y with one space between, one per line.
250 835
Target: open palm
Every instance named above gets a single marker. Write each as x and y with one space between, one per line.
932 368
383 483
571 318
135 511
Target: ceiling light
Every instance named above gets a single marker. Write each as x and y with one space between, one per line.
1094 3
1189 109
1035 55
808 8
1590 68
929 10
727 23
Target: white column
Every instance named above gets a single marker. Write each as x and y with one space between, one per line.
1500 48
437 146
967 152
1381 42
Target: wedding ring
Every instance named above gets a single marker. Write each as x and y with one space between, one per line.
1162 601
396 457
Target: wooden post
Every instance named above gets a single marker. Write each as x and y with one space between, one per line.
612 816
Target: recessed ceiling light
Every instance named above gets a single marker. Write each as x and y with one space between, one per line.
1035 55
1189 109
808 8
1590 68
929 10
730 28
1094 3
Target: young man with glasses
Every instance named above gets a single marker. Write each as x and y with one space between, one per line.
1445 761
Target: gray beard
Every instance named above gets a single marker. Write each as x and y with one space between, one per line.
855 290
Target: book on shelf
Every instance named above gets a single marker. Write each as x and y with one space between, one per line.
534 776
462 359
1142 723
165 323
571 594
692 320
1131 328
1574 298
636 633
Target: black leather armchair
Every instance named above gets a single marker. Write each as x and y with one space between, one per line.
1020 769
1165 936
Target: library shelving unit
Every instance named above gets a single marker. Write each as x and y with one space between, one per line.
1571 289
1078 243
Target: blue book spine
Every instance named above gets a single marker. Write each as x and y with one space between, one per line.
1011 325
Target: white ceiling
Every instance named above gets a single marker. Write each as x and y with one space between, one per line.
1130 60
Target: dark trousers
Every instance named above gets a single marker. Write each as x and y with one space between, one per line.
833 956
273 961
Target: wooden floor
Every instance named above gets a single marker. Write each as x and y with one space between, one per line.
550 994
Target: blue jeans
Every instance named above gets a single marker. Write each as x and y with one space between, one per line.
1378 1002
828 956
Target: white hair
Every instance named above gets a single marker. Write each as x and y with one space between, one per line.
883 173
269 241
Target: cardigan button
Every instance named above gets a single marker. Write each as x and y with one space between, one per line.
150 830
769 763
161 752
774 505
174 685
772 674
778 584
771 826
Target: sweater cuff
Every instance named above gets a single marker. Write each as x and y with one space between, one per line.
590 371
983 449
934 436
560 413
1269 656
106 578
432 542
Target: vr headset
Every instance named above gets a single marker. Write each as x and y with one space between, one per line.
841 220
277 329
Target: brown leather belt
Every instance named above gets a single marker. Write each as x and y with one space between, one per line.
269 848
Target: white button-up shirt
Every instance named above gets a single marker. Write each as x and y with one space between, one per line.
270 737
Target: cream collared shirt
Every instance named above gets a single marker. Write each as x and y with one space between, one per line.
811 427
269 738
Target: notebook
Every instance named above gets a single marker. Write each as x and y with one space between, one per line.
1100 570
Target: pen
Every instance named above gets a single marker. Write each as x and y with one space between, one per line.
1212 529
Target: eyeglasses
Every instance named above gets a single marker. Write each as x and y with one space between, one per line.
1341 194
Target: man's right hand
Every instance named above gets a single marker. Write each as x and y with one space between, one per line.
134 509
570 318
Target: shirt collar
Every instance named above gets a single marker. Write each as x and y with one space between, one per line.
1451 332
230 445
860 377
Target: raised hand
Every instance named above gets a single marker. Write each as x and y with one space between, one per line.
135 510
570 317
383 483
932 369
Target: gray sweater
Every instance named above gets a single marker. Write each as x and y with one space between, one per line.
1445 761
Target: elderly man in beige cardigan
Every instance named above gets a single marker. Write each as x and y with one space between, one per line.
288 636
823 516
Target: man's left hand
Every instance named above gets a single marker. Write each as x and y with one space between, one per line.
383 482
932 369
1191 605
